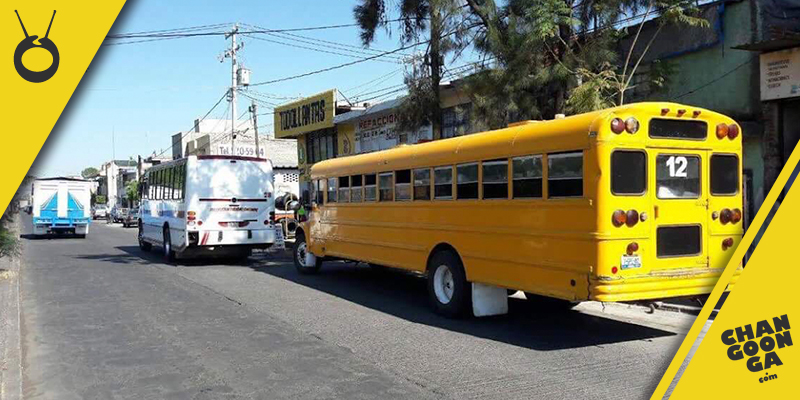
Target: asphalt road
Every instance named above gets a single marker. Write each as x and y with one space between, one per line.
102 319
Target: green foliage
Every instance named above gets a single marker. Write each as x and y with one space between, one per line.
9 243
99 199
89 172
132 191
556 56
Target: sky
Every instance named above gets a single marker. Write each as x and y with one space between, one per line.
142 94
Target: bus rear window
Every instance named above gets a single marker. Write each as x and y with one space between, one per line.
675 129
724 174
628 172
677 176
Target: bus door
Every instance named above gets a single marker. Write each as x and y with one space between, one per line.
679 208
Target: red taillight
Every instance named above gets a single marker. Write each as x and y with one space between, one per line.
619 218
633 247
727 243
614 270
191 216
664 111
722 131
725 216
733 131
737 215
681 112
696 114
632 217
617 125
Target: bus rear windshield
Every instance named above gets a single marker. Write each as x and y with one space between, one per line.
674 129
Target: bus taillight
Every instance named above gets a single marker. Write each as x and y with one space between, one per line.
737 215
722 131
619 218
733 131
632 217
727 243
271 218
631 125
633 247
191 216
725 216
617 125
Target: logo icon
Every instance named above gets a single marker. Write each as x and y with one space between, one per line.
27 44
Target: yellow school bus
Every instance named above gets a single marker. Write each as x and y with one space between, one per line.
637 202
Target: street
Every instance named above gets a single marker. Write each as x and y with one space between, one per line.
103 319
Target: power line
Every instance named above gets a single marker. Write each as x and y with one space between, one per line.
312 49
716 79
196 124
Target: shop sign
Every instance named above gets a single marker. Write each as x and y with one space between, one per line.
306 115
378 132
780 74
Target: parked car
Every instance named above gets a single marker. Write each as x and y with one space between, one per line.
100 211
131 217
117 214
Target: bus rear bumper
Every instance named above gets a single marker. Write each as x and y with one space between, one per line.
254 238
658 285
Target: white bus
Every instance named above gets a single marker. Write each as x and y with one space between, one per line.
207 206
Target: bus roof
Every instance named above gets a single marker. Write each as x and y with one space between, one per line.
565 134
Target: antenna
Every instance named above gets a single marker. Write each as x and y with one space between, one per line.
23 25
48 26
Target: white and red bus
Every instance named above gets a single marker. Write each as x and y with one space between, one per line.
208 206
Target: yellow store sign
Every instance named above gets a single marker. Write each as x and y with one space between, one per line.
306 115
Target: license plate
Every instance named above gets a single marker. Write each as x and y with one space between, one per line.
630 262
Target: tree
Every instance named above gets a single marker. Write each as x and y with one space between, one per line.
132 192
443 22
89 172
556 56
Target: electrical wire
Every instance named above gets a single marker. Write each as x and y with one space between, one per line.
312 49
196 124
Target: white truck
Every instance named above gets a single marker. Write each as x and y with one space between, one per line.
61 205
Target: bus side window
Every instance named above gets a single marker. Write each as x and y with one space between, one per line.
495 179
443 183
319 186
628 172
467 181
527 176
422 184
565 174
386 186
331 190
159 174
344 189
369 187
355 188
403 185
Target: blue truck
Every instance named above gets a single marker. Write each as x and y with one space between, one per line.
62 206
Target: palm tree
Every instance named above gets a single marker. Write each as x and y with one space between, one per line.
416 18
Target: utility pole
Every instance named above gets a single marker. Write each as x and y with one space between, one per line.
253 111
234 66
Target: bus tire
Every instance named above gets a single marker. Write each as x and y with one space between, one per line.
299 256
549 303
448 290
169 254
144 245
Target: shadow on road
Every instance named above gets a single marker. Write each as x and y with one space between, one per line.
133 254
50 236
405 296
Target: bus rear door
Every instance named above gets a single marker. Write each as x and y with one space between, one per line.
680 209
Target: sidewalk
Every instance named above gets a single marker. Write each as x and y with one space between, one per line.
10 354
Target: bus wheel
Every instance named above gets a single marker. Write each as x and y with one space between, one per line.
146 246
169 254
448 289
549 303
300 250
